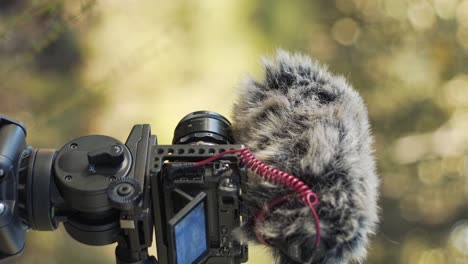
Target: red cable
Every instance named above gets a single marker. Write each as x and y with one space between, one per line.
258 167
260 217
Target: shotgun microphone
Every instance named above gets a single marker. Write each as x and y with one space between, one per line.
307 122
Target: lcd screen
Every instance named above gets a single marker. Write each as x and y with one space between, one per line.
190 235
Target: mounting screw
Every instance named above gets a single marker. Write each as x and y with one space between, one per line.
125 189
3 208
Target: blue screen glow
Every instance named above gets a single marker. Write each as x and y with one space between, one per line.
190 236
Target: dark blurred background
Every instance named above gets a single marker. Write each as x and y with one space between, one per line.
79 67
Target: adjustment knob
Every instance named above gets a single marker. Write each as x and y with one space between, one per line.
124 193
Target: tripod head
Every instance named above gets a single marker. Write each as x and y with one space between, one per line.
105 191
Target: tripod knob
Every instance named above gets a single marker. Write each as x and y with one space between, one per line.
124 193
107 156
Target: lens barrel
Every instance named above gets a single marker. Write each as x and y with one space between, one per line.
203 127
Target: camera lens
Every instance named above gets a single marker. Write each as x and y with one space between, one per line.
203 127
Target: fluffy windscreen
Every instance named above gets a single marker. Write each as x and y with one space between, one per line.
305 121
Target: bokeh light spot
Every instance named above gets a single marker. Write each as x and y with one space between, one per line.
455 90
410 149
421 15
345 31
458 238
430 172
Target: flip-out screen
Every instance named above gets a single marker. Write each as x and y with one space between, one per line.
189 232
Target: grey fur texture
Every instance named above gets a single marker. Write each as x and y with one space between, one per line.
303 120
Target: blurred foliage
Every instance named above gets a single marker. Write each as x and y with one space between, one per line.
70 68
40 60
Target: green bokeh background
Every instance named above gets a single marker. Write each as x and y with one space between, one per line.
69 68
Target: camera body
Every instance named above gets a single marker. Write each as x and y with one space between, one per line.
104 191
215 187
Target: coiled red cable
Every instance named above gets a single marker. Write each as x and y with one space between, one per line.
258 167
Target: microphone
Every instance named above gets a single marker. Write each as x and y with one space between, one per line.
305 121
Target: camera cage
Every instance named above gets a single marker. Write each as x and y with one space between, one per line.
104 191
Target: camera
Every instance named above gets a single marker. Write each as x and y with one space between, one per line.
103 191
